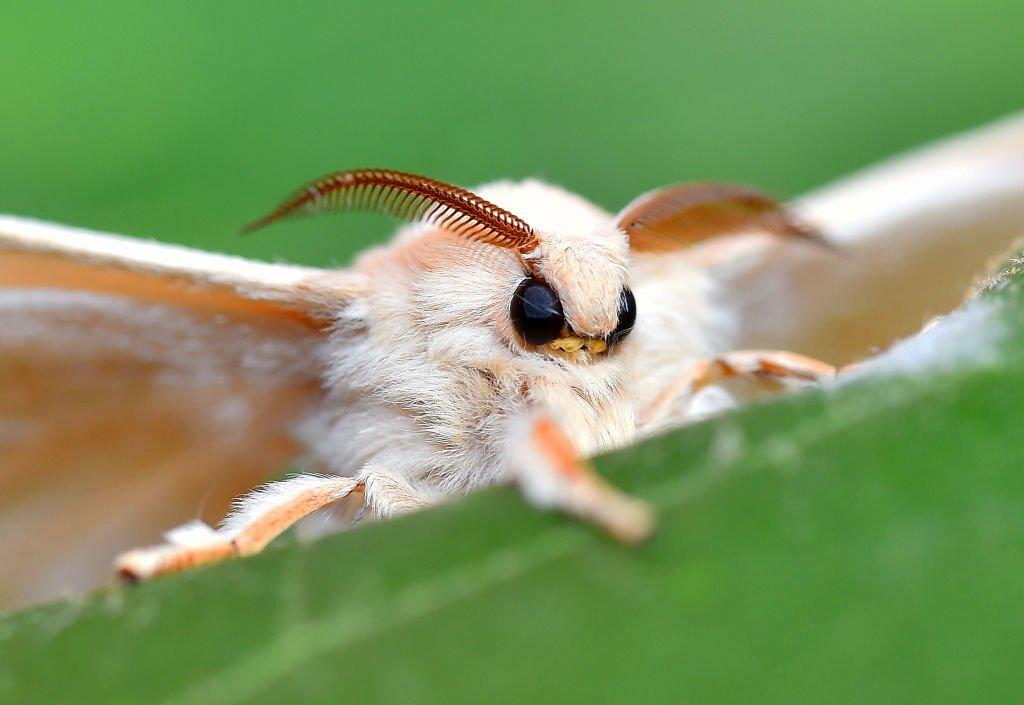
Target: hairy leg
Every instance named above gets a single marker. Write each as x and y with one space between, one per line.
767 370
262 516
543 463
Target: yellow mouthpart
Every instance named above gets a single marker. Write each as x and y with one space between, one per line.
574 344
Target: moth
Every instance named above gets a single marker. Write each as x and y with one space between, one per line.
506 335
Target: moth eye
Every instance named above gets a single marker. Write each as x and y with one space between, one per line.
627 316
536 312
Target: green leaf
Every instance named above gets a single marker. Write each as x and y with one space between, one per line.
857 544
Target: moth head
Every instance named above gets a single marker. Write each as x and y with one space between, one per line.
561 291
575 298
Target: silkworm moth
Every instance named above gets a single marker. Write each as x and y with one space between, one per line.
506 335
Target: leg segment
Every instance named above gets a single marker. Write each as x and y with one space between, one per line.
770 370
267 513
387 495
262 516
549 473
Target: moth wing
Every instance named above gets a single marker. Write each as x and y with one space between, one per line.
141 385
686 241
912 237
686 215
906 240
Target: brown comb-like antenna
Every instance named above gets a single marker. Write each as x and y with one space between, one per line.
409 197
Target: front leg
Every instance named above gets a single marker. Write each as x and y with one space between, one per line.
768 370
541 460
261 516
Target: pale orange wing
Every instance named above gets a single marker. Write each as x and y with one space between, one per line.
141 385
680 216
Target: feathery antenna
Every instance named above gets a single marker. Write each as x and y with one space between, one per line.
408 197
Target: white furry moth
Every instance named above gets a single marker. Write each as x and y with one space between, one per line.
506 334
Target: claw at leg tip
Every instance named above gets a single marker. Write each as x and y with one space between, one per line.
132 567
632 522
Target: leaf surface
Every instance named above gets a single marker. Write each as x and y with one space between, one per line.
856 544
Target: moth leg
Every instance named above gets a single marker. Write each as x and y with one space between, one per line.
769 370
260 518
386 494
543 463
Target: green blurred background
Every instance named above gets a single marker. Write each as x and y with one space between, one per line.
181 121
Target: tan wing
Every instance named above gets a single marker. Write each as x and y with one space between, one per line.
684 215
911 238
907 240
141 385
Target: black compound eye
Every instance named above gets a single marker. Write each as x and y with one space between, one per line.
627 316
536 312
